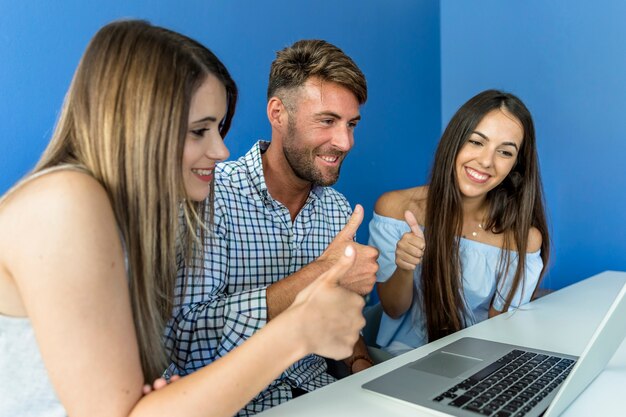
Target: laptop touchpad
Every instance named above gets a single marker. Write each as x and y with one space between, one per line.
445 364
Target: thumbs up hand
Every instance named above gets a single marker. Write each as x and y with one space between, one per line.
331 315
362 276
410 248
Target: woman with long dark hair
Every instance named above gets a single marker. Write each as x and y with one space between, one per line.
472 243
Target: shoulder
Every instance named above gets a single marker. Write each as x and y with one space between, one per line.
55 202
59 192
56 214
225 171
241 174
394 203
233 182
247 164
534 240
335 197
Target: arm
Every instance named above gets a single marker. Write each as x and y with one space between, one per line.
210 323
396 292
66 259
324 319
360 279
68 264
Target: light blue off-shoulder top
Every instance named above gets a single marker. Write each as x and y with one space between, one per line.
479 263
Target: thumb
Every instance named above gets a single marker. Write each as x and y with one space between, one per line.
340 268
412 222
349 230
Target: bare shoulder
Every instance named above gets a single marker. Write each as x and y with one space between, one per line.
534 240
55 205
394 203
57 194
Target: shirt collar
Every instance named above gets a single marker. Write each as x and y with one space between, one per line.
254 166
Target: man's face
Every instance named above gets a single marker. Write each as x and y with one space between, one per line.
320 131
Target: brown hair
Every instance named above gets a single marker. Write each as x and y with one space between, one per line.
304 59
515 206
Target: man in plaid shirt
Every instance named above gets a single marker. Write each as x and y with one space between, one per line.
277 223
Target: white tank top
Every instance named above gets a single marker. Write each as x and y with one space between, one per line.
25 389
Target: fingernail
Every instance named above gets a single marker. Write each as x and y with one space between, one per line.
349 251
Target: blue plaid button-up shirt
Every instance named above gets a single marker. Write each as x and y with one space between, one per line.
254 244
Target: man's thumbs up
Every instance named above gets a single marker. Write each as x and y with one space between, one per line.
362 276
349 230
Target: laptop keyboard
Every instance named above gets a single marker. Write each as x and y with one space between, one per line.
511 386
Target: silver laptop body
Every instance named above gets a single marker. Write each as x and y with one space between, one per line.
472 377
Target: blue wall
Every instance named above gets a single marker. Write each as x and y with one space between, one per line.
567 61
396 44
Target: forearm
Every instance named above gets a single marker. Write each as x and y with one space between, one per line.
396 294
225 386
281 294
324 319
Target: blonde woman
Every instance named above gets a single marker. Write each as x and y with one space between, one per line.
89 240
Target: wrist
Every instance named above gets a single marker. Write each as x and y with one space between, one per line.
403 277
320 265
296 342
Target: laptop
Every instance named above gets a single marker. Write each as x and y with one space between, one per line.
475 377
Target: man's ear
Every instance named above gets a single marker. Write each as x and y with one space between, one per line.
277 113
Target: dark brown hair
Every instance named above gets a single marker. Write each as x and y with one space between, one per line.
515 206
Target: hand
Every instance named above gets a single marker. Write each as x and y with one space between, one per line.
158 384
410 248
330 316
360 365
362 277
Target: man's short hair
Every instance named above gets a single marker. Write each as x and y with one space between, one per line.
295 64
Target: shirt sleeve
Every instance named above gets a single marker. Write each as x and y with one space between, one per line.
208 322
534 265
385 233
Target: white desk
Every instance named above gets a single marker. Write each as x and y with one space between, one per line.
562 321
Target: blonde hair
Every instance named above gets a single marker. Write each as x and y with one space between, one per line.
124 121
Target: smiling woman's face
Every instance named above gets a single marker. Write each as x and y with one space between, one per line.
204 146
489 154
